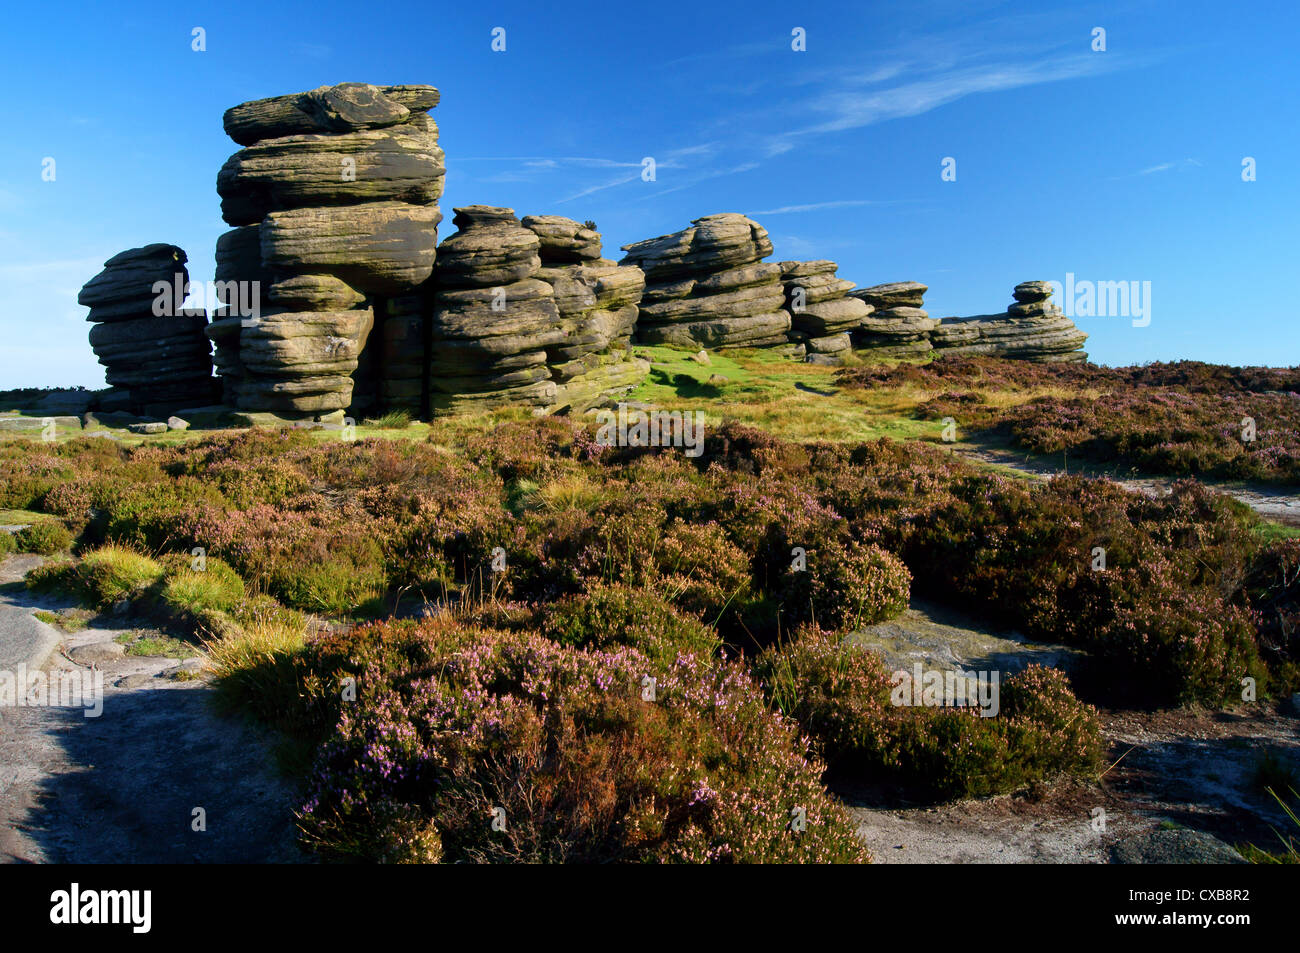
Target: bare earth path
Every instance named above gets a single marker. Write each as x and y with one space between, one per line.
123 787
1273 503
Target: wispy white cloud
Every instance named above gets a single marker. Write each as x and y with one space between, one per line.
847 109
592 189
1161 167
816 206
552 162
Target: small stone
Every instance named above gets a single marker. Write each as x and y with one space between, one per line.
148 428
701 358
176 423
97 653
718 379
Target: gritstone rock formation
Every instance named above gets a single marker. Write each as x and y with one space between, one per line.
335 202
821 312
155 351
527 313
898 326
597 301
707 286
492 318
1032 329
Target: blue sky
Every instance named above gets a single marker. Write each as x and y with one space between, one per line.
1116 165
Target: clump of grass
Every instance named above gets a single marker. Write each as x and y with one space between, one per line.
393 420
45 538
573 491
1289 852
192 592
7 544
101 578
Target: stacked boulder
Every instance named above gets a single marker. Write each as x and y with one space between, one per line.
492 319
707 286
597 303
897 326
337 190
821 313
156 355
1032 329
242 287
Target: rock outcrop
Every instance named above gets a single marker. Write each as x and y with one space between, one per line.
492 319
822 314
597 302
154 350
526 313
336 191
1031 329
898 326
707 286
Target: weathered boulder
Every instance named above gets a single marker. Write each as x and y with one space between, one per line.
402 163
336 191
379 247
898 326
154 351
300 361
347 107
707 285
491 320
597 302
821 313
563 241
1032 329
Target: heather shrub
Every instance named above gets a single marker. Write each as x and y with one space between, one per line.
46 538
840 694
1271 588
243 484
27 472
1157 619
616 615
846 586
72 502
251 446
702 570
584 769
535 450
333 574
150 515
316 557
1183 419
7 544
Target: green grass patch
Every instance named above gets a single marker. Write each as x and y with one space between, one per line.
155 645
69 620
24 517
783 396
1272 532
